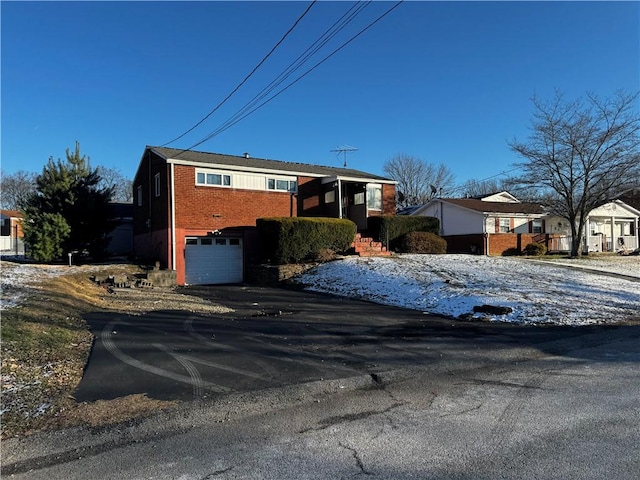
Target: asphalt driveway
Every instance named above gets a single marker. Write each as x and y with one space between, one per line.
278 336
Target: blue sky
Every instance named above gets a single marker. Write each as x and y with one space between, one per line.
448 82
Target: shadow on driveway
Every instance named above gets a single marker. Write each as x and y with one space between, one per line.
278 336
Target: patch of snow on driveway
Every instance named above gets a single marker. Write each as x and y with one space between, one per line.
451 285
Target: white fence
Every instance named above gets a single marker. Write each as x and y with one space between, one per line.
595 243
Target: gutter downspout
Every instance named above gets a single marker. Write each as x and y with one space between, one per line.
172 199
486 235
339 198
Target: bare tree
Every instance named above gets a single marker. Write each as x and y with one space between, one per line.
581 154
15 188
122 187
479 188
418 181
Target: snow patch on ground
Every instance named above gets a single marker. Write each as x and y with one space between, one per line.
451 285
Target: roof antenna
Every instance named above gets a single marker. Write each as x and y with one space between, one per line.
344 149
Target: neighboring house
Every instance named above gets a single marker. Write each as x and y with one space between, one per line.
611 227
495 224
487 225
11 232
195 212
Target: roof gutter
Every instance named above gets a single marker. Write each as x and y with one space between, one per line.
173 218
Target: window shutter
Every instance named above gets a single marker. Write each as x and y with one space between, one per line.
497 226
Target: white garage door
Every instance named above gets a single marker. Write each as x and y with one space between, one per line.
210 260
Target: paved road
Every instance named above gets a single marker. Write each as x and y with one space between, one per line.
430 398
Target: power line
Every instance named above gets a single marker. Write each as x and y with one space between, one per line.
273 49
331 32
233 121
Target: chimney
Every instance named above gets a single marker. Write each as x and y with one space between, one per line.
246 154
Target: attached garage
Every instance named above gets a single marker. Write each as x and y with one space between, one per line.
213 260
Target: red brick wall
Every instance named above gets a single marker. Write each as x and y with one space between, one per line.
388 199
211 208
498 242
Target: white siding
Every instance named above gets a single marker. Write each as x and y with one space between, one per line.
249 181
245 180
459 221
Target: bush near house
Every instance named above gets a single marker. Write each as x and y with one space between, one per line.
422 242
389 228
293 240
535 249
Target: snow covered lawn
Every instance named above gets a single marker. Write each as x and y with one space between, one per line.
538 292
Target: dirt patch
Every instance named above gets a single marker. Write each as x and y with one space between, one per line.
109 412
46 343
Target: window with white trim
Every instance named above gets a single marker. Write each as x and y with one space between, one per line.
330 196
374 196
505 225
282 185
536 226
156 181
212 178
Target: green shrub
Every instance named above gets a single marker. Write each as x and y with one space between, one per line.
422 242
389 228
297 239
535 249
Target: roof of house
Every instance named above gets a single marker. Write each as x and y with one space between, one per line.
261 163
11 213
497 207
408 210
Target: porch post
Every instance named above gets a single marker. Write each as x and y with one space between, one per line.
613 239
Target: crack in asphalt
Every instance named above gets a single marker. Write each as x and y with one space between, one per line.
356 457
216 473
462 412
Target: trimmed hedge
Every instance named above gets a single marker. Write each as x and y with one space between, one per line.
296 239
389 228
422 242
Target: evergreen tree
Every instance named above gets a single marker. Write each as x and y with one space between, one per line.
68 211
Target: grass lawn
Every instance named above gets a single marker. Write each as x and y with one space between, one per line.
45 347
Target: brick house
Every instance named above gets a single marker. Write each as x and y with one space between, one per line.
497 223
195 212
487 225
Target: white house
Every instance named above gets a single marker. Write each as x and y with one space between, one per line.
611 227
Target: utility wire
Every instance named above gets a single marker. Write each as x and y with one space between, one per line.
248 76
331 32
233 121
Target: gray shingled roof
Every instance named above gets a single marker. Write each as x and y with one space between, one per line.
497 207
241 161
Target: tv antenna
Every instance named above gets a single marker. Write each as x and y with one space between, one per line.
344 149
